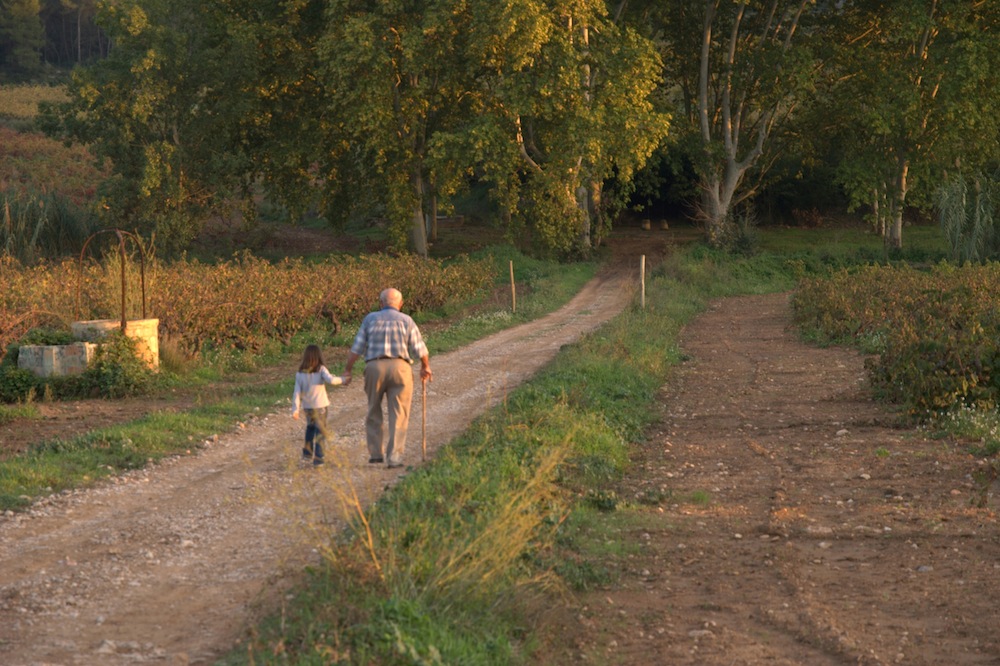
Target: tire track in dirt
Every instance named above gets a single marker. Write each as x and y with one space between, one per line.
170 564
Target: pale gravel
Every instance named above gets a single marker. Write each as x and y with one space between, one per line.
171 564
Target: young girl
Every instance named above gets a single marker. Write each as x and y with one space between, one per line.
310 396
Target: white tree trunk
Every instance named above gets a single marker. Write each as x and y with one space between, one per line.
717 197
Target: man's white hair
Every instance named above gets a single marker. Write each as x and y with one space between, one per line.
391 297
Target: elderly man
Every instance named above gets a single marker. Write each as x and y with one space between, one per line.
389 341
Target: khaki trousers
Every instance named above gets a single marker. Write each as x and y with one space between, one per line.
393 379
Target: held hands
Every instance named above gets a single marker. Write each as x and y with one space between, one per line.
345 379
295 415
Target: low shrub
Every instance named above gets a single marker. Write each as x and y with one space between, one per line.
116 370
934 334
16 385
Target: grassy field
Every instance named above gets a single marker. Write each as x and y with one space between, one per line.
21 102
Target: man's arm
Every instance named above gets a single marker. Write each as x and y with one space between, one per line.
425 368
351 360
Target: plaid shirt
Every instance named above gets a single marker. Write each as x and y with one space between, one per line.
388 333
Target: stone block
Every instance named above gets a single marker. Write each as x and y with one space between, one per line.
56 360
144 331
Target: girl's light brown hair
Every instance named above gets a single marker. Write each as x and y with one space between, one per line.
312 359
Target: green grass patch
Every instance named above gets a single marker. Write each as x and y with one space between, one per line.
25 410
698 497
60 464
21 101
853 245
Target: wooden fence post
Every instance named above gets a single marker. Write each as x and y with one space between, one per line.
513 292
642 281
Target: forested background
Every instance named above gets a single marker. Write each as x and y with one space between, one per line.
548 118
36 35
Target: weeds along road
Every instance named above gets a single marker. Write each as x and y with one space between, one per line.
170 564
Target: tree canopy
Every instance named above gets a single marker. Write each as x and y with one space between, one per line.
389 109
915 97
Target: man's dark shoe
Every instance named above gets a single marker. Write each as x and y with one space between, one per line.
317 462
375 460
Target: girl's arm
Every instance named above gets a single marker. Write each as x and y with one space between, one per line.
296 398
328 378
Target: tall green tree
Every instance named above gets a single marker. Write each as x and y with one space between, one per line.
738 72
568 105
543 99
915 97
192 109
22 38
395 80
147 110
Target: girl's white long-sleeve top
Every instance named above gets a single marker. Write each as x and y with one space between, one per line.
310 389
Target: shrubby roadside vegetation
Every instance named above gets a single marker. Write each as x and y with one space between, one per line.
934 334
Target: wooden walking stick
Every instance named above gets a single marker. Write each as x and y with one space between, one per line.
423 421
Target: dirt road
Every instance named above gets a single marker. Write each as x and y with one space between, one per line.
798 526
170 564
796 523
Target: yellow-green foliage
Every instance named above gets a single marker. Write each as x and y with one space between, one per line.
936 333
243 302
22 101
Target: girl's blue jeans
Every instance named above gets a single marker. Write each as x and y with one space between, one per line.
317 434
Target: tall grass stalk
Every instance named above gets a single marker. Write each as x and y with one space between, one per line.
42 227
967 215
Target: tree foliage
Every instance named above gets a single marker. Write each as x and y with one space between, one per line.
21 39
396 105
967 212
914 95
388 109
193 103
739 71
570 105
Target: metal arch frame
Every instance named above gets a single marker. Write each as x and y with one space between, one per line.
122 235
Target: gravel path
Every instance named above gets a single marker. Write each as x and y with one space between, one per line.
172 563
